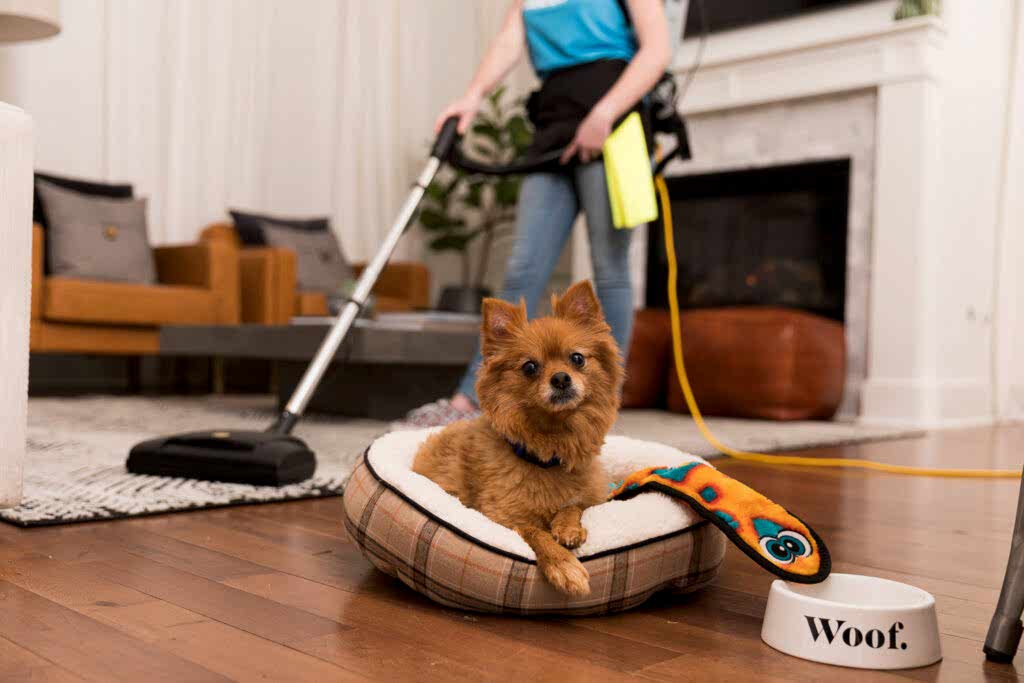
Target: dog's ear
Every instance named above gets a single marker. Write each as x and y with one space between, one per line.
579 303
500 322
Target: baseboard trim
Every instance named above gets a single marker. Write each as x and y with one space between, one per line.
10 492
1014 409
919 403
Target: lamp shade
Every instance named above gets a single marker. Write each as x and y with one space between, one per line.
28 19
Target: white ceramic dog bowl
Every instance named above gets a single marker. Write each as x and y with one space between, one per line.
851 620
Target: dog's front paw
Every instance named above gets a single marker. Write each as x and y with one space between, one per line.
567 575
570 536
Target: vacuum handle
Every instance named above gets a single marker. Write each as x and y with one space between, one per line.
446 139
346 318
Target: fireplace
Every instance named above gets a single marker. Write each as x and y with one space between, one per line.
924 216
774 236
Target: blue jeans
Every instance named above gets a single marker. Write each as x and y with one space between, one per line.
548 205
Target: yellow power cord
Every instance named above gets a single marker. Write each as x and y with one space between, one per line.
747 456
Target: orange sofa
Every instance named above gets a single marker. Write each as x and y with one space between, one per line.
270 295
198 285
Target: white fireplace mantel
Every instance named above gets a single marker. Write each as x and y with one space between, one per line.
940 99
818 54
849 50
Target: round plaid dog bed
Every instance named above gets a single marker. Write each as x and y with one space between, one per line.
408 527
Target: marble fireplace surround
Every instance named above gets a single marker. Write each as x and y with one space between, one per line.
844 84
801 131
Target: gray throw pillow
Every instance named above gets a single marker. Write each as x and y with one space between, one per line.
96 238
320 263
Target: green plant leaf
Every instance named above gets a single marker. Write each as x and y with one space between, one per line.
506 191
432 219
519 131
485 118
437 192
451 242
908 9
488 129
495 97
474 194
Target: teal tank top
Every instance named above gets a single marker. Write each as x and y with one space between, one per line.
564 33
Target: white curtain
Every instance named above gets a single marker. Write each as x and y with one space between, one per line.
302 108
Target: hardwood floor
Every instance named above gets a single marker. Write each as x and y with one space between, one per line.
278 592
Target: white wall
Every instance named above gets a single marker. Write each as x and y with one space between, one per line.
976 75
296 108
1008 367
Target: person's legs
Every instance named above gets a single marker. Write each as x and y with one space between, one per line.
609 253
544 216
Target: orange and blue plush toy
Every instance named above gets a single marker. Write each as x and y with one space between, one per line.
769 534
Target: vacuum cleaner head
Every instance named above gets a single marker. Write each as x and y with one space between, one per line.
243 457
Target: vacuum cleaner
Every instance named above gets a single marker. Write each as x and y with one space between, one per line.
274 457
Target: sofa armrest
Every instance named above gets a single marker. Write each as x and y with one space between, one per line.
266 277
220 232
268 285
209 265
407 282
38 270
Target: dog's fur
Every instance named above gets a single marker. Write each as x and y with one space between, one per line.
474 460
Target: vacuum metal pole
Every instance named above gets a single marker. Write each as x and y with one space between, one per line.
329 346
1005 630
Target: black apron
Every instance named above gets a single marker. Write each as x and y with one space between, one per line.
565 98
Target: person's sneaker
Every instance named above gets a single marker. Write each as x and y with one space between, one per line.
437 414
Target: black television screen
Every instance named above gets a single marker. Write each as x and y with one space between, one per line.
722 15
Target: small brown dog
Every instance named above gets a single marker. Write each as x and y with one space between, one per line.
549 389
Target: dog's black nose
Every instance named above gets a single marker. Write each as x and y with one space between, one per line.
561 381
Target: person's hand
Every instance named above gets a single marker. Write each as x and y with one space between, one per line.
465 108
590 136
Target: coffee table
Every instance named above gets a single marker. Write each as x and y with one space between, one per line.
382 370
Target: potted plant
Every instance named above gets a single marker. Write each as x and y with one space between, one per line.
916 8
460 208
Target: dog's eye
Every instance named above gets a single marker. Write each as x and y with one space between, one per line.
578 360
530 368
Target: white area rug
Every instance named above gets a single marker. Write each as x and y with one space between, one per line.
75 465
762 436
74 470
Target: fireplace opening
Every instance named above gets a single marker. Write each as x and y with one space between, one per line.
772 236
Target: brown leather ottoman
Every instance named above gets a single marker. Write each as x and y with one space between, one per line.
753 362
650 358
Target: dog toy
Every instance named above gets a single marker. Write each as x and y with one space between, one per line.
769 534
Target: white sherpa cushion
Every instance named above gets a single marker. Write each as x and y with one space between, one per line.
611 525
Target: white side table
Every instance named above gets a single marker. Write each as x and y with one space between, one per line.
15 285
